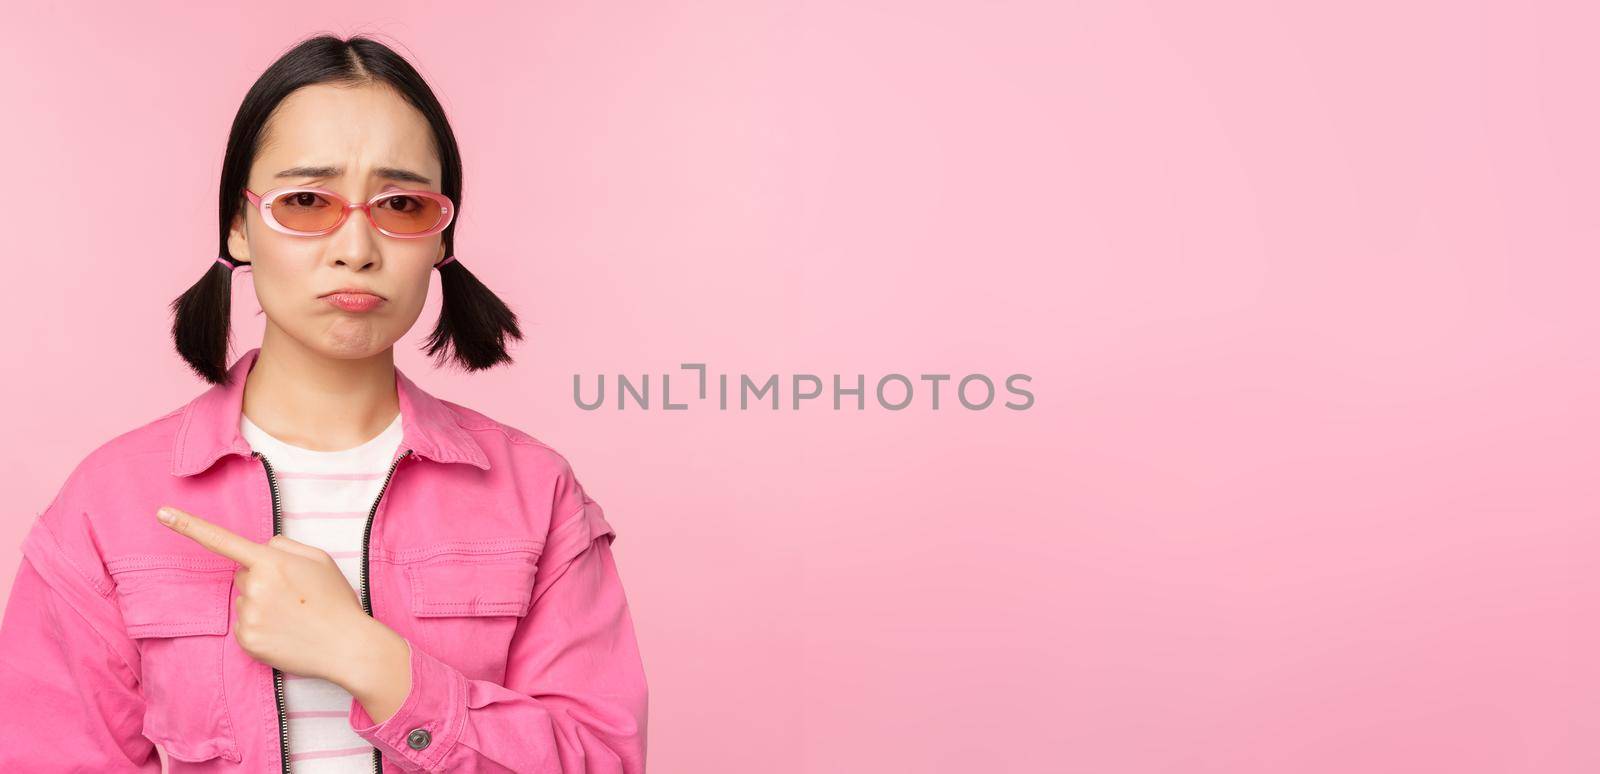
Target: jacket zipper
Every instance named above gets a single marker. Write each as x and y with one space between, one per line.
277 676
366 600
366 596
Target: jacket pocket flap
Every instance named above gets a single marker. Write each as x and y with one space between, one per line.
473 584
173 596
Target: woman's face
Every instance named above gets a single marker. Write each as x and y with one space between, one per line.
353 132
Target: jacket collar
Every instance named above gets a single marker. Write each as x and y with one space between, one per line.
210 426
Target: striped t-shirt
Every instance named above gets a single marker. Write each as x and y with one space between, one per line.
324 498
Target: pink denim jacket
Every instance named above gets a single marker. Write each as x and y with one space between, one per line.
483 551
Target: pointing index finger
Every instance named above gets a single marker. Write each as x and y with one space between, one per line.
216 539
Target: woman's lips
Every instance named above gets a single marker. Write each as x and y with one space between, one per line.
353 302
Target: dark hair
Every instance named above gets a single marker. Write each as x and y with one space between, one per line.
473 323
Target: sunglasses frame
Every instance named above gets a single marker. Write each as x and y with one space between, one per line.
263 204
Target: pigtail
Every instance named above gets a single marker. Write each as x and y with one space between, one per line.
201 322
473 322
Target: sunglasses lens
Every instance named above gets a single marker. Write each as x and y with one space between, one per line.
407 214
306 211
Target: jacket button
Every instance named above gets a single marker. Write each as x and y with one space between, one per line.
418 738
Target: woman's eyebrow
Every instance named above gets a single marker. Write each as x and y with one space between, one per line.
387 173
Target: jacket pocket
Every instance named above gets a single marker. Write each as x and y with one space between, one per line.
176 608
468 597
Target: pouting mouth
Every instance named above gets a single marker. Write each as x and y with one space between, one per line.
353 290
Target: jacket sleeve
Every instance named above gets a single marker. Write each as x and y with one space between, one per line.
574 699
69 686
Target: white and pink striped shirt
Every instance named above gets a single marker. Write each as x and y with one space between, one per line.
324 499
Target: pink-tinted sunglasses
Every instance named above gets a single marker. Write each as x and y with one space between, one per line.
304 211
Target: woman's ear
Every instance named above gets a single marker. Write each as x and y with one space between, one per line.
239 240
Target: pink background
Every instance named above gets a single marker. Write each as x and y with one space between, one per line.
1306 295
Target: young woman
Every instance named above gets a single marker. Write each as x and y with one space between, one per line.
347 574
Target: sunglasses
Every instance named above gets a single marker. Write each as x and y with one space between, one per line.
303 211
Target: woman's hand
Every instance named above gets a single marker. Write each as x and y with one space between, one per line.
295 611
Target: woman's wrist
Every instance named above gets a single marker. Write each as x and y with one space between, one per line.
376 669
